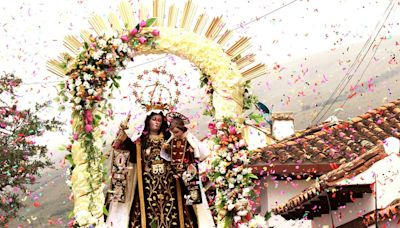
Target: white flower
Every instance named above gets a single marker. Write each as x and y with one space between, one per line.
97 54
246 191
130 53
242 213
91 67
86 85
237 218
90 91
78 82
231 185
219 125
257 222
78 107
87 76
116 42
109 56
102 43
222 170
231 146
231 206
71 86
235 158
77 100
239 177
245 171
123 47
243 225
242 143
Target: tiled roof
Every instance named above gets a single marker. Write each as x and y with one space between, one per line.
390 212
338 143
345 171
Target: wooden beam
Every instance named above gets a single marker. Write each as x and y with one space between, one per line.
294 169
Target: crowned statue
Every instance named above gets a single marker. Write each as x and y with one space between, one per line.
153 182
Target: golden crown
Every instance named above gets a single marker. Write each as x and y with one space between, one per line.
156 91
156 106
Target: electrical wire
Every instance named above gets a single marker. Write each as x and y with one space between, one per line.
348 74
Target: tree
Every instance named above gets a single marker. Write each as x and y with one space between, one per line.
21 159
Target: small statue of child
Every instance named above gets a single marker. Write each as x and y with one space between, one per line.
180 150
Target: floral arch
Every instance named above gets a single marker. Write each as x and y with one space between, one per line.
93 61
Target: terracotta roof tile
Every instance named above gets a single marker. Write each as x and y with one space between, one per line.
338 143
388 212
330 179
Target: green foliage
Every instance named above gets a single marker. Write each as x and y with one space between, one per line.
150 21
256 117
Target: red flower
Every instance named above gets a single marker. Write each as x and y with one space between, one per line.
36 204
211 126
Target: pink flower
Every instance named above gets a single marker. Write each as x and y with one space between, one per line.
88 117
142 40
71 223
232 130
142 24
211 126
133 32
124 38
214 131
75 136
156 32
88 128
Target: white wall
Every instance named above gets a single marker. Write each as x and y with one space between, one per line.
278 192
387 172
346 213
282 129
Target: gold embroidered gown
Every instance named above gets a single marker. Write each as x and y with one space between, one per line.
162 199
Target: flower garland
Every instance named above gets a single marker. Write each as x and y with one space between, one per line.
98 63
233 179
88 75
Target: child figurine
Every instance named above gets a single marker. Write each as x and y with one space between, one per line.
181 150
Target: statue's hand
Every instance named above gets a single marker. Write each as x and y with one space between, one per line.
165 146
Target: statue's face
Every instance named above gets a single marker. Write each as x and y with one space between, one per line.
178 133
194 195
155 122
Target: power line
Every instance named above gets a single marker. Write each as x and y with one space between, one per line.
265 15
365 70
361 54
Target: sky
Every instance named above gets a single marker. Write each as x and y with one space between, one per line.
32 33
